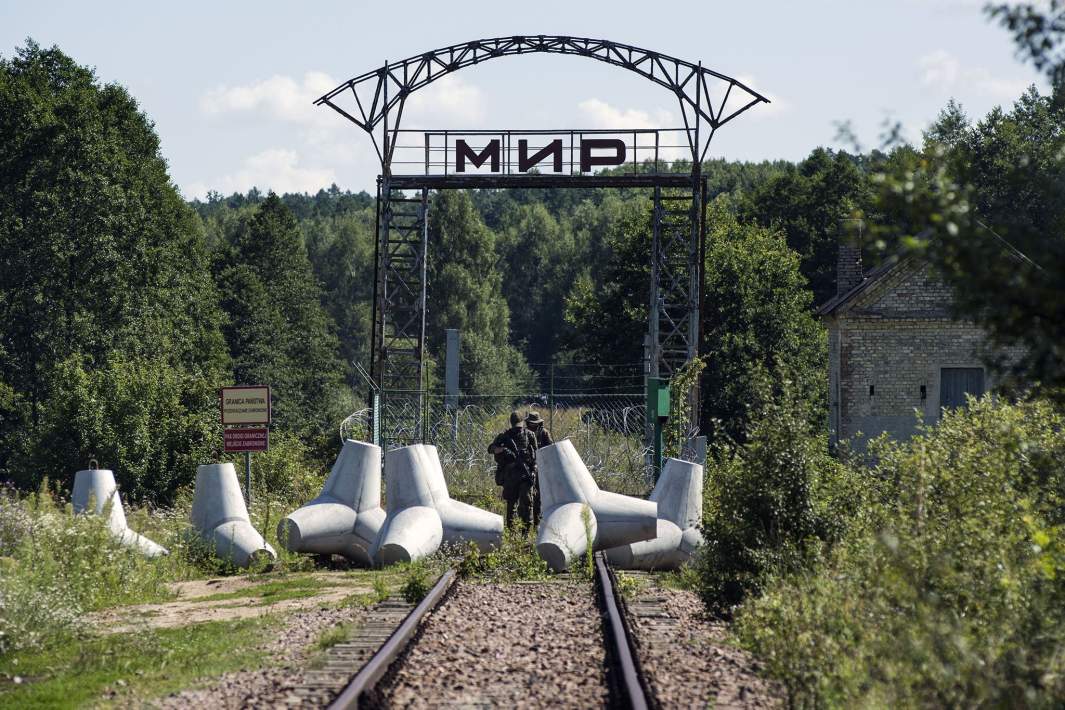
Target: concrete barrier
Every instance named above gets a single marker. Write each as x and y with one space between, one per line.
421 514
221 517
346 517
96 487
575 510
679 494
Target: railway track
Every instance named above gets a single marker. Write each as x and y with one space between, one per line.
617 668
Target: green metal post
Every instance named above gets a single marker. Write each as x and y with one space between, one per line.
658 415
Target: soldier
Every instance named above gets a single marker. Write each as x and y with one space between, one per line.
535 424
515 454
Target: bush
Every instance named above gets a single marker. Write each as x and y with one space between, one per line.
140 417
775 504
954 594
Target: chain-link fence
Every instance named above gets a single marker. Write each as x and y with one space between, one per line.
606 429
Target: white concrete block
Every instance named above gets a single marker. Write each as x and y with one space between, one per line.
221 517
346 517
679 494
566 488
421 515
97 485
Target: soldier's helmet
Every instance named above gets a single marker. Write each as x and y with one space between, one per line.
534 418
515 418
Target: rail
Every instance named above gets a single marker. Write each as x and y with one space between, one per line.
390 650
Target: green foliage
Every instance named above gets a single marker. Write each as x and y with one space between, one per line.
757 324
132 668
466 291
417 581
150 423
1038 30
984 204
806 202
679 427
514 560
277 330
101 257
55 567
951 593
381 590
606 308
772 505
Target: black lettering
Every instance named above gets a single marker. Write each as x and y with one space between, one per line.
554 148
588 161
463 152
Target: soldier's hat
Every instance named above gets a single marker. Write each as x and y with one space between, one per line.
533 417
515 418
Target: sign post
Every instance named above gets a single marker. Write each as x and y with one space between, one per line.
246 415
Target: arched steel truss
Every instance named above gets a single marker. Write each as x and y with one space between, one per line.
704 95
708 100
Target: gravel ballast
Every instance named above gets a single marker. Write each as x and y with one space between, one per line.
507 645
686 659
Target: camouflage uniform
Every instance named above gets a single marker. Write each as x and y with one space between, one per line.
535 425
515 452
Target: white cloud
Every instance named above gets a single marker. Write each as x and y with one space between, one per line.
775 107
939 68
276 169
600 114
448 102
942 70
279 97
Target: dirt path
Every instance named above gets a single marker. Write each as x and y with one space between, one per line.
194 604
516 645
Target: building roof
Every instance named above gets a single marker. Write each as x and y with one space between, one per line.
872 277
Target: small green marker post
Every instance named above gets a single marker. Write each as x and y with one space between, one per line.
658 415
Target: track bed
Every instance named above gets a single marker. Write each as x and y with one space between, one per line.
526 644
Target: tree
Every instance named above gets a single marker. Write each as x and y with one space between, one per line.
1038 30
465 287
103 263
278 333
807 202
986 205
606 308
757 326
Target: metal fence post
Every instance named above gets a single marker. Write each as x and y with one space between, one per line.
551 397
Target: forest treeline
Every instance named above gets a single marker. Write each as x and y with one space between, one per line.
123 307
929 575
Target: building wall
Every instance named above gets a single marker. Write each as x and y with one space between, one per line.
895 338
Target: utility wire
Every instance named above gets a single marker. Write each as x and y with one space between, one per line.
1016 252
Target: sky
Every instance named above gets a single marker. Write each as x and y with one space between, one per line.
230 85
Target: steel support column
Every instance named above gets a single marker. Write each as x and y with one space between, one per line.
399 327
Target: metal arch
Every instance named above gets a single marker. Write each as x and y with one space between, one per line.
386 89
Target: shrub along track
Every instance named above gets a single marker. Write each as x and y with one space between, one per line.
528 644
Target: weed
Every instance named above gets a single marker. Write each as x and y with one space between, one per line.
628 585
381 590
417 582
514 560
332 636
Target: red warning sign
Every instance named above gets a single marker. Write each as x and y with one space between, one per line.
246 439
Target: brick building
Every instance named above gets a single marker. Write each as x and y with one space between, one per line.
894 347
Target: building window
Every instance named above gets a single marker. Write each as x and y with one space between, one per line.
956 382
